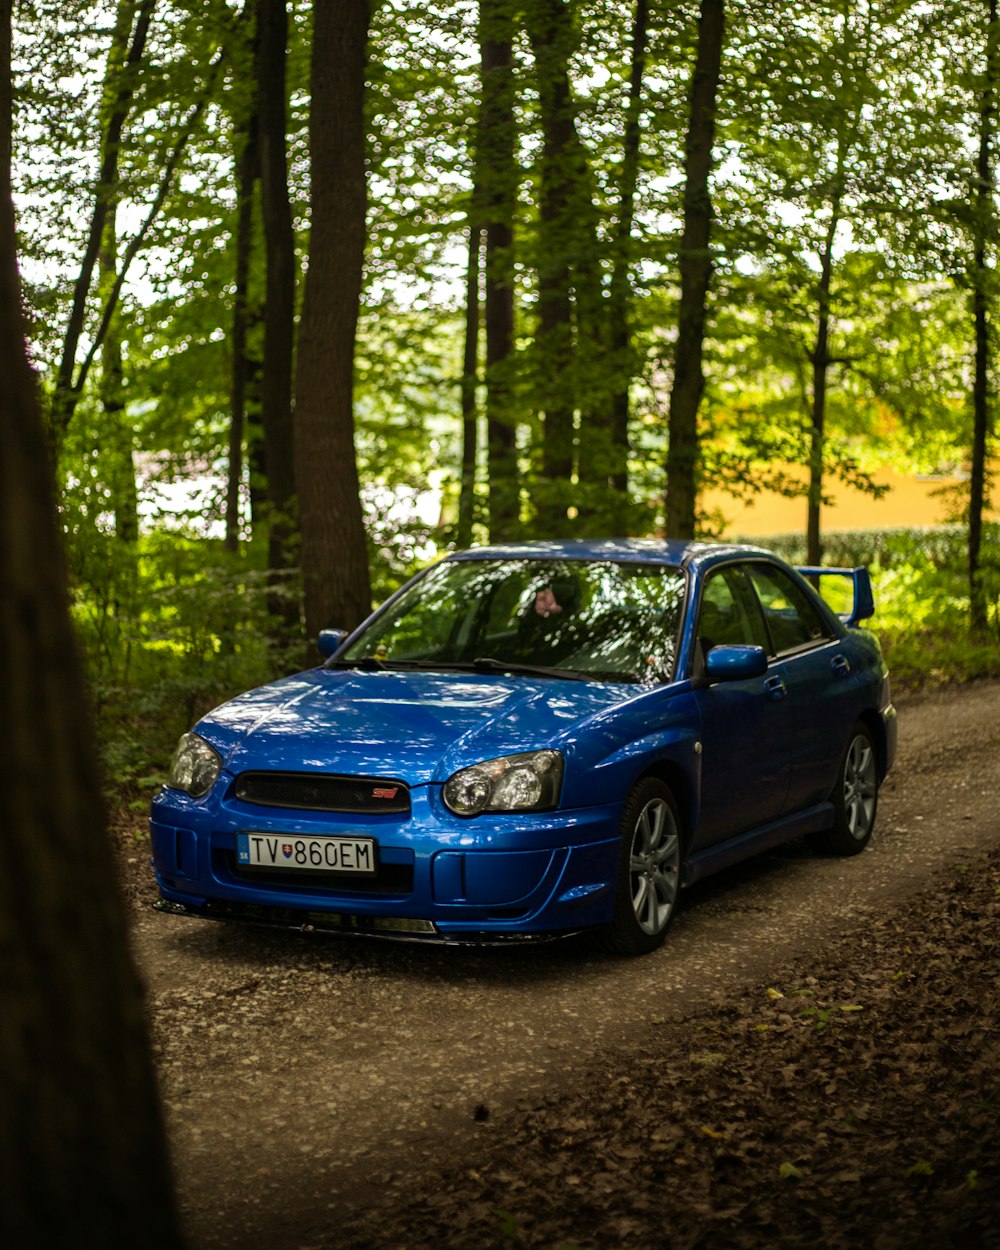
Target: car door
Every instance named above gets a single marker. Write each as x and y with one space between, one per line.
747 727
809 655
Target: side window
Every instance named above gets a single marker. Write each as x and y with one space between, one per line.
725 616
792 620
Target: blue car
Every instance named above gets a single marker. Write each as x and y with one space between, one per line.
530 740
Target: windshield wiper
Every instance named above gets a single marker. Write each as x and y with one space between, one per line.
486 664
370 663
481 664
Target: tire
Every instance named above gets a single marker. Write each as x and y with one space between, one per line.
649 876
855 796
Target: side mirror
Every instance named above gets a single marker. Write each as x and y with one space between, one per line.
735 663
329 641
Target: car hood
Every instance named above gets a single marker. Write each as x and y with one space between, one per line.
416 727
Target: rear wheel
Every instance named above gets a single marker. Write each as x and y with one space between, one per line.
648 870
855 796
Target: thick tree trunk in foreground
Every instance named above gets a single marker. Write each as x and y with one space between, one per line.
985 229
695 271
82 1155
334 551
497 176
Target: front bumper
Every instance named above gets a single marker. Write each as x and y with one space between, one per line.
440 878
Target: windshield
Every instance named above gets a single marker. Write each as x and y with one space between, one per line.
602 620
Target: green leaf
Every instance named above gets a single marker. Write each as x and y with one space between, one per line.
789 1172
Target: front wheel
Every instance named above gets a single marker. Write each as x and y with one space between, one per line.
649 870
855 796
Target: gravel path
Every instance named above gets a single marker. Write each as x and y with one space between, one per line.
307 1079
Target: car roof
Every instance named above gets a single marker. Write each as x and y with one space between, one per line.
676 552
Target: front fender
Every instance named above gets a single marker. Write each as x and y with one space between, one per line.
652 735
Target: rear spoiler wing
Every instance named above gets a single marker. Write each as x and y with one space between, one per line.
864 600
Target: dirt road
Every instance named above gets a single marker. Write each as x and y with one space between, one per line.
301 1074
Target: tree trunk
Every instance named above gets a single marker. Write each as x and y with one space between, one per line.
554 387
334 550
470 380
82 1151
985 228
279 307
695 271
117 450
622 362
497 175
125 55
247 172
570 277
820 361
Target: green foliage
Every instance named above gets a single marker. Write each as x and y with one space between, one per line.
920 1171
169 627
865 111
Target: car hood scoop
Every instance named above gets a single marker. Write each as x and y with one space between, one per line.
416 727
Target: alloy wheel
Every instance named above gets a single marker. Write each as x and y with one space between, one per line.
654 866
860 787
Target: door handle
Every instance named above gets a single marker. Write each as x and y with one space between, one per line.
841 666
776 688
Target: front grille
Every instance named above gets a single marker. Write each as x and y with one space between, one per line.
322 792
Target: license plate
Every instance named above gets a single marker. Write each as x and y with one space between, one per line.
266 850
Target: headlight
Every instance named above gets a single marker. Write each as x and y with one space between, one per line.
195 767
528 782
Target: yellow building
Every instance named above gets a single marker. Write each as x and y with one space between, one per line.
910 501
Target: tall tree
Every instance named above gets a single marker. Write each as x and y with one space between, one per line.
810 91
559 225
279 304
119 447
243 367
125 59
984 232
620 295
850 69
575 377
497 176
821 359
334 557
82 1150
695 264
470 377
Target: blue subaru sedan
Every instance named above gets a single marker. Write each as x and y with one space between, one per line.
530 740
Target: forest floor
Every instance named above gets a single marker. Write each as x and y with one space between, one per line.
856 1106
841 1092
